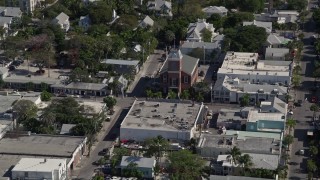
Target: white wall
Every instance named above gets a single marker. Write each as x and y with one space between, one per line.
35 175
142 134
261 77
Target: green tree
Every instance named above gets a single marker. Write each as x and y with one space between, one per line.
245 161
132 171
299 5
45 96
100 12
172 94
216 20
169 36
245 100
206 35
291 123
117 156
234 154
25 109
199 97
312 168
296 80
110 102
156 146
288 140
185 165
314 108
255 6
149 93
313 151
185 94
248 39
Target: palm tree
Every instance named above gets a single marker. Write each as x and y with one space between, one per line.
234 154
245 161
314 108
291 123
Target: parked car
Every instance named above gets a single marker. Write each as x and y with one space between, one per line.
12 68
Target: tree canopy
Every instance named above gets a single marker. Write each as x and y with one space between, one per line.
185 165
247 39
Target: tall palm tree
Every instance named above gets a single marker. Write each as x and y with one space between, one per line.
234 154
291 123
245 161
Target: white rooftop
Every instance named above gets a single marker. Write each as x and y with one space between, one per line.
162 115
38 164
255 116
248 63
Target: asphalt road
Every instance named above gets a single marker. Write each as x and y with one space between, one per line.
108 135
147 75
303 115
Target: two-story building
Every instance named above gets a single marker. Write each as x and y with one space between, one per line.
231 90
247 67
179 72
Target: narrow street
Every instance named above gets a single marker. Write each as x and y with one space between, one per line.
303 116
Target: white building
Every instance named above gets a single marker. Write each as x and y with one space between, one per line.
63 21
231 90
40 168
220 10
171 120
246 67
194 32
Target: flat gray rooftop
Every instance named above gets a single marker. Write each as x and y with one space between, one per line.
41 145
163 115
20 75
247 144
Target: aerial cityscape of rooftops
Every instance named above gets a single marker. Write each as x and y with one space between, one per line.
159 89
